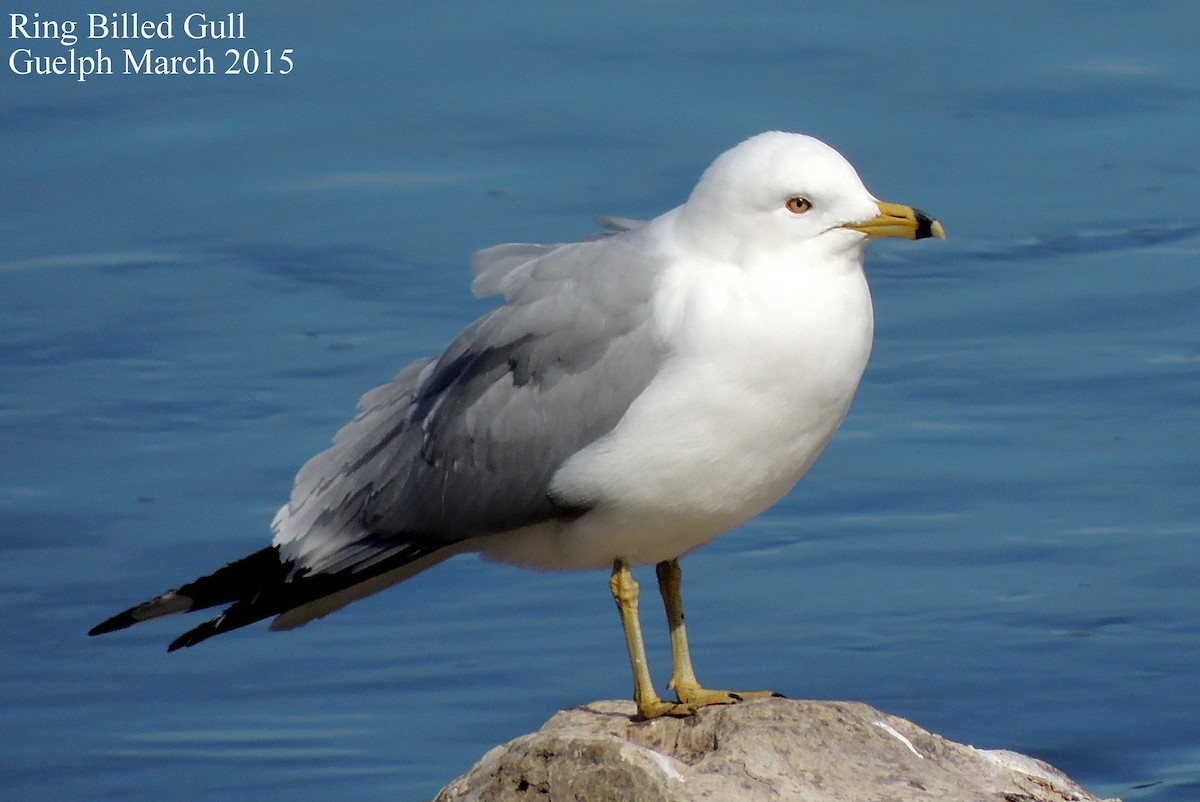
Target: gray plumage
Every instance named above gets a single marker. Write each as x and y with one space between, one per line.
458 447
466 445
637 394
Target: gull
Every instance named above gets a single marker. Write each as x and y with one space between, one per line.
636 394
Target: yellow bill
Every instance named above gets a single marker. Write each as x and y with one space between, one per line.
898 220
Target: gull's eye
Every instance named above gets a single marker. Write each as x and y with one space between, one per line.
798 205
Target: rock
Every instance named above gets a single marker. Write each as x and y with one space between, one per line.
770 749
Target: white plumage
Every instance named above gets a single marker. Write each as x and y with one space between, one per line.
636 395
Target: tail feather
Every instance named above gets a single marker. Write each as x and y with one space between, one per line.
259 586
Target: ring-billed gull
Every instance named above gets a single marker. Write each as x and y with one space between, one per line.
636 395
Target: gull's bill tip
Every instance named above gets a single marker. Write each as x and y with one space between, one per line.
898 220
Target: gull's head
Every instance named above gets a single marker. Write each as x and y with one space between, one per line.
781 194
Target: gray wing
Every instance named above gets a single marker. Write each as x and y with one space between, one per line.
466 445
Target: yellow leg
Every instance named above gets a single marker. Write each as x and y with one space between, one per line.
683 676
625 593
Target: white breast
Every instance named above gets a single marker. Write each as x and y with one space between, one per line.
764 365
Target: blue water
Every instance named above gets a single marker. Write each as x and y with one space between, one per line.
200 275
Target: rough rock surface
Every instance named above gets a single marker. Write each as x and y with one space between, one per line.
771 749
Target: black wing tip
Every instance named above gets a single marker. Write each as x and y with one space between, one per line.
235 581
194 636
237 615
260 585
169 603
190 638
117 622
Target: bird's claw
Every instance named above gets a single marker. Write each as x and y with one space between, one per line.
701 697
694 697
